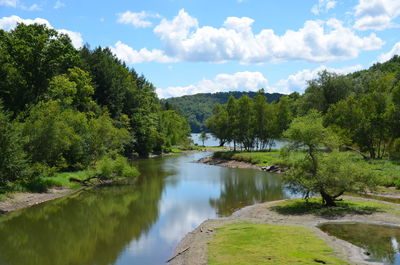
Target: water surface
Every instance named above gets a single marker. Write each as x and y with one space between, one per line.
138 223
380 241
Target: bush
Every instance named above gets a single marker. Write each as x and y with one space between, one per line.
108 168
39 184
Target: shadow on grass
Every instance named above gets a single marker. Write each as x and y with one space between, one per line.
302 207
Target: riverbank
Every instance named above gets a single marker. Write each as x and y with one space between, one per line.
193 249
19 200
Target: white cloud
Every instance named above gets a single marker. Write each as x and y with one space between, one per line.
387 56
240 81
12 3
75 37
9 23
298 82
33 7
59 4
16 4
139 20
323 6
131 56
318 41
376 14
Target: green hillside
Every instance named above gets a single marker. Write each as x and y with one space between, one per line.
198 108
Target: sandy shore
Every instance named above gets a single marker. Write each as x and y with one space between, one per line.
194 245
21 200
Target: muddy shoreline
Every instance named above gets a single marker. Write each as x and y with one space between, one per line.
192 249
19 200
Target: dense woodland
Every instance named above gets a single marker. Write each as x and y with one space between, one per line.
198 108
358 113
63 109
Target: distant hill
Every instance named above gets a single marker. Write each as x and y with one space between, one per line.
198 108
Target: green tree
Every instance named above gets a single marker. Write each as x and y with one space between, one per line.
218 124
30 56
328 173
13 161
203 137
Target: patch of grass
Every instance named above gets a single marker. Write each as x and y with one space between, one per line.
246 243
388 172
62 179
314 206
261 158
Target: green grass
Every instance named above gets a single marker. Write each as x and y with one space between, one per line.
388 172
261 158
62 179
246 243
314 206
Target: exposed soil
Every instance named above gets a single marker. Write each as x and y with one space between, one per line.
21 200
193 247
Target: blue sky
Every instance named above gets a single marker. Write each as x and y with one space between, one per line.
188 46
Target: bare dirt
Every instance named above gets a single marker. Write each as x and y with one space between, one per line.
21 200
193 247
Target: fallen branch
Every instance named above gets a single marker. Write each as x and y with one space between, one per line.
186 249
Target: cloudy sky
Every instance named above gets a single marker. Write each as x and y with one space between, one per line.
190 46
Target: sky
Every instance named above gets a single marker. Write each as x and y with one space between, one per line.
188 46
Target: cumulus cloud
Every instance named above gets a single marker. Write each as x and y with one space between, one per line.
376 14
240 81
318 41
75 37
298 81
131 56
323 6
387 56
138 20
9 23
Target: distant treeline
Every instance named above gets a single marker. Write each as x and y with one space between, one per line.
65 109
362 109
198 108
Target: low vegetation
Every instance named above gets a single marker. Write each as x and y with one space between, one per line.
314 206
247 243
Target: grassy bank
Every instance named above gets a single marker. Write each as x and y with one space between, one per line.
314 207
247 243
261 158
388 171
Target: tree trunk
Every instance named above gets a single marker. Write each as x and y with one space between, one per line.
327 199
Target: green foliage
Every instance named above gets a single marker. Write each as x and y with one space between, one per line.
108 168
13 162
200 107
175 128
250 123
329 173
31 56
203 137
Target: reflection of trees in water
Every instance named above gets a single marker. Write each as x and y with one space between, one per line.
246 187
376 239
93 227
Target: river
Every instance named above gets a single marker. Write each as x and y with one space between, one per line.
139 223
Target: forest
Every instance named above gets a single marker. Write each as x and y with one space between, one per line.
199 107
65 110
335 131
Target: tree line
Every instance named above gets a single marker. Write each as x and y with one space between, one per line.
359 112
63 109
250 123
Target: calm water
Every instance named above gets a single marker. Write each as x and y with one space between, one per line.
211 141
132 224
382 242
